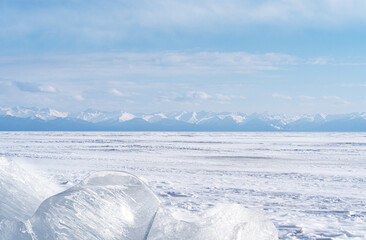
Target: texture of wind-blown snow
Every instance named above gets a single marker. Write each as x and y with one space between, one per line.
310 185
111 205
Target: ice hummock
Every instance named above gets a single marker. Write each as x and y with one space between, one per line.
110 205
223 222
107 205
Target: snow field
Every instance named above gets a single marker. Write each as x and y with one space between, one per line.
310 185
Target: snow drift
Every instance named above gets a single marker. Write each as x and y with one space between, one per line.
110 205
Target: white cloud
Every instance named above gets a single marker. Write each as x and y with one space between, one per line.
353 85
321 61
334 62
191 96
281 96
222 97
48 88
33 87
115 19
336 99
198 95
157 63
116 92
79 97
332 98
306 98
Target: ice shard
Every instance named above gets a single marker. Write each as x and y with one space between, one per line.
107 205
110 205
21 191
224 222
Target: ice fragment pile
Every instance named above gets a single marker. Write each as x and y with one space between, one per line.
110 205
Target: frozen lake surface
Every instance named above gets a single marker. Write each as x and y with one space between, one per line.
311 185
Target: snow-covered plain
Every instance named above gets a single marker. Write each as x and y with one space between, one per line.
310 185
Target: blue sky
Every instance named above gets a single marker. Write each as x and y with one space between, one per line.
282 56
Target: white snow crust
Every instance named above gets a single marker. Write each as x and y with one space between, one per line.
310 185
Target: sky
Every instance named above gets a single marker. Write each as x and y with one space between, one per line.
284 56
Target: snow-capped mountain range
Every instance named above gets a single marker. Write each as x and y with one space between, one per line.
24 119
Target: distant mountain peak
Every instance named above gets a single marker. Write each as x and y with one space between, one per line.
154 117
46 118
41 113
126 117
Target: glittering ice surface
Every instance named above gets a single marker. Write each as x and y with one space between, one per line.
111 205
21 191
224 222
309 185
107 205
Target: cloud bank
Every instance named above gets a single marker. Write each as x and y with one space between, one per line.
100 19
119 64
